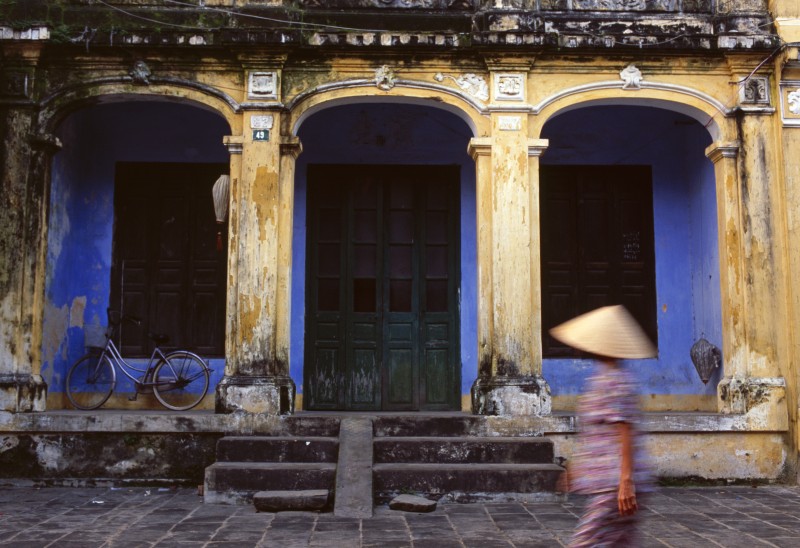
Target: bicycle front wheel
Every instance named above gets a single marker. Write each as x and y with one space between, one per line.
90 382
181 381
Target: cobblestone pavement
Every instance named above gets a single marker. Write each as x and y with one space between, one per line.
127 517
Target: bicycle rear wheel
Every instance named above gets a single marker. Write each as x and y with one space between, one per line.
90 382
180 381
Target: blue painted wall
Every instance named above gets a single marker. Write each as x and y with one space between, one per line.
81 213
388 134
684 204
82 209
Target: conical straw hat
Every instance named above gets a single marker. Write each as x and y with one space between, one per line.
608 331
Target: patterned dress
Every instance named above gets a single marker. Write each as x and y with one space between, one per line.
610 399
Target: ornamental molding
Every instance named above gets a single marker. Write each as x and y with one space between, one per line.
790 103
717 105
631 77
509 86
104 86
479 107
509 123
15 84
754 91
794 101
385 78
717 151
471 83
140 73
262 85
265 121
389 4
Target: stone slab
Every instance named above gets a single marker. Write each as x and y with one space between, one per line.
462 449
354 470
412 503
277 449
311 500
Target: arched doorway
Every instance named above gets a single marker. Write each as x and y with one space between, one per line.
132 228
384 256
629 215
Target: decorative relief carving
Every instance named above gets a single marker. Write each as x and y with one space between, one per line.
754 90
140 73
471 83
384 78
262 85
794 101
262 122
14 84
631 77
682 6
509 123
509 87
391 4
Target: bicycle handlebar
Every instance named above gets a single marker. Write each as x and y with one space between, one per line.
115 319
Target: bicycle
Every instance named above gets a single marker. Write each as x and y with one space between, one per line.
179 379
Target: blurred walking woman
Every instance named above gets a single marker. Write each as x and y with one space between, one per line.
607 465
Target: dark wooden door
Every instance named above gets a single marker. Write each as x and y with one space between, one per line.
167 270
597 245
382 282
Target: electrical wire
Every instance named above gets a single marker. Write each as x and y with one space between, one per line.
129 14
271 19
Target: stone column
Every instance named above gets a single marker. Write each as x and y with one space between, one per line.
24 182
752 290
509 377
257 345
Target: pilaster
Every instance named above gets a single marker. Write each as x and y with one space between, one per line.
509 377
26 157
749 227
262 199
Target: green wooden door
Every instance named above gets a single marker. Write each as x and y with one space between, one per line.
382 288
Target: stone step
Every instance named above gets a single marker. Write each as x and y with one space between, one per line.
319 426
434 426
310 500
236 482
465 482
277 449
498 450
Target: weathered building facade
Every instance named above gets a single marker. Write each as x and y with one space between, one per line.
419 190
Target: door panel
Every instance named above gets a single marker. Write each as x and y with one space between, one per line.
166 268
597 245
383 257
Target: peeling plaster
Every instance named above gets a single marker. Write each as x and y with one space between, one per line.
264 196
55 326
76 312
49 454
8 442
741 456
9 308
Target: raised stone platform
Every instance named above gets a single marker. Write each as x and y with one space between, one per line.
138 447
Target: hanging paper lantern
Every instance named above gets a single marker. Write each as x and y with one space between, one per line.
706 358
220 194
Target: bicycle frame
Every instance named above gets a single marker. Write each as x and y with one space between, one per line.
170 375
118 362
